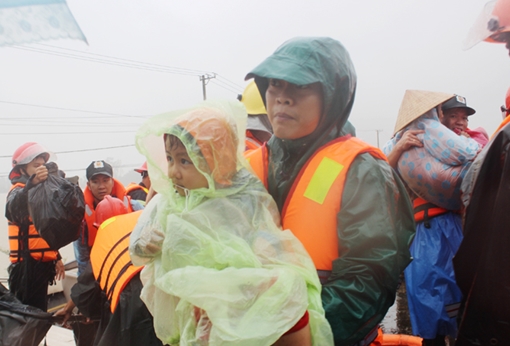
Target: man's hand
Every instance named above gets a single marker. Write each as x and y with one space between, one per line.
65 313
41 174
409 140
60 271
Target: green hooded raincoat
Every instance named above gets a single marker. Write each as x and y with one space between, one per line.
375 224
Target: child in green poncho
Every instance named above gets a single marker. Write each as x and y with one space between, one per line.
218 268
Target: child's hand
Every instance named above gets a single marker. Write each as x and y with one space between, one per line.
150 241
155 242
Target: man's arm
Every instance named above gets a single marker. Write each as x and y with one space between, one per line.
375 229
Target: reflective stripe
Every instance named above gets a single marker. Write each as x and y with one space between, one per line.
88 210
452 310
322 180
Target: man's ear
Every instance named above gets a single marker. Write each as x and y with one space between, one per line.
88 184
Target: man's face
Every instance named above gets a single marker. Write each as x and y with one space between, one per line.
32 165
293 110
456 119
146 180
100 185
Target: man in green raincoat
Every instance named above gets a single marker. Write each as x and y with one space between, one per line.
337 194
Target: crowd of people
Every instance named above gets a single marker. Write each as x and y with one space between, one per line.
265 221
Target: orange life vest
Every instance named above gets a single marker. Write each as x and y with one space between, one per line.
424 210
37 246
503 123
251 142
90 210
133 186
110 258
314 200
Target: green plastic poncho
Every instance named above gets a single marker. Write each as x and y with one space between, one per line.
375 224
218 268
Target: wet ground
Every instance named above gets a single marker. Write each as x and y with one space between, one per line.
397 320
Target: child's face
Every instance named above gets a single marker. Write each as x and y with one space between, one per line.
294 110
181 169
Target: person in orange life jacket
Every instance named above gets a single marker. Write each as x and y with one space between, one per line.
109 288
33 263
258 127
139 191
438 236
337 194
100 182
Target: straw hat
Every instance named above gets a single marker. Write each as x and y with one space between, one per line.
417 103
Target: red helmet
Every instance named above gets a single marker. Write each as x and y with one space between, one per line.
507 99
25 154
142 168
107 208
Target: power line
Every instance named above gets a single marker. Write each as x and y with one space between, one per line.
196 72
226 81
127 165
64 133
81 150
71 124
142 66
226 87
73 110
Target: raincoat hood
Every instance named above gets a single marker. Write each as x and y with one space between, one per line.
220 253
305 60
213 135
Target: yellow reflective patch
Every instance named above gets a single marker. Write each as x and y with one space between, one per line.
322 180
107 222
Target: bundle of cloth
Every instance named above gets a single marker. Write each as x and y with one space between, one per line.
435 171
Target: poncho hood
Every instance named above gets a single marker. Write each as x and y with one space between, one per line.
213 135
305 60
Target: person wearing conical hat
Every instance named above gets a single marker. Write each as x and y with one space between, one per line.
433 295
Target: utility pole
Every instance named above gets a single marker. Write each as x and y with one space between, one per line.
205 79
377 131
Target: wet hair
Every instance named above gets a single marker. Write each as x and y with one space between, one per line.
173 141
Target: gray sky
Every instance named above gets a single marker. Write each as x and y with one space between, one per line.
59 87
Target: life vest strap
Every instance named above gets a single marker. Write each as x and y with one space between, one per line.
114 261
111 289
427 211
369 338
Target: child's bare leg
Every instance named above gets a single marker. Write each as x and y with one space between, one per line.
302 337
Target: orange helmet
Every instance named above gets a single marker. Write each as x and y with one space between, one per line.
107 208
142 168
25 154
492 25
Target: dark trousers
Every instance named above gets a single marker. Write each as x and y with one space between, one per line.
28 281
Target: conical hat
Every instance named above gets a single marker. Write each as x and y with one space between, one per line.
417 103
